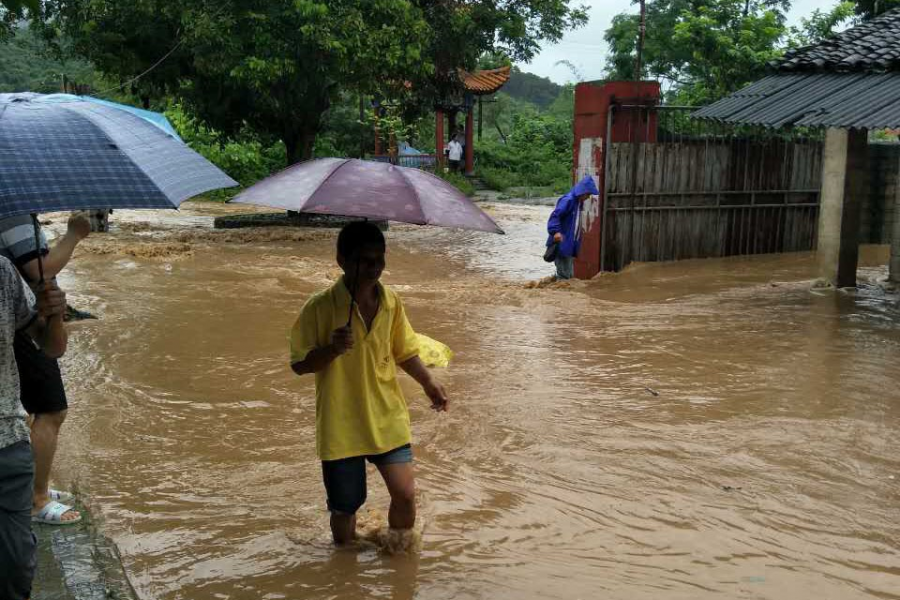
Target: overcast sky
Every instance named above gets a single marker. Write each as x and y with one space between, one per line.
586 49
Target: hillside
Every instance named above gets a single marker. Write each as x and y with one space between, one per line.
532 88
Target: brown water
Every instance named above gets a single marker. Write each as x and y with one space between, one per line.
707 429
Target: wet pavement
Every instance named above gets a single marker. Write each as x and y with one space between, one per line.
702 429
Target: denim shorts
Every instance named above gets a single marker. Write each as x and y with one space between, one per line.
345 478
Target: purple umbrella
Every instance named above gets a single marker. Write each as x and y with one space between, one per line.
371 190
357 188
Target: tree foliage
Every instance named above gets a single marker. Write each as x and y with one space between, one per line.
277 64
871 8
280 64
28 65
703 49
822 24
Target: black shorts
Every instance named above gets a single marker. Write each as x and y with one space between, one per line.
39 378
345 478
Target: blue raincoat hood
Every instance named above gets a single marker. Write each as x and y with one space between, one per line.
585 186
564 218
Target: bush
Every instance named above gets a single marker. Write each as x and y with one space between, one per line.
538 153
245 158
460 181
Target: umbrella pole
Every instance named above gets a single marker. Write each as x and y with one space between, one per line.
37 245
353 291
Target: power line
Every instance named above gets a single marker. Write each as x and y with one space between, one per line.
156 64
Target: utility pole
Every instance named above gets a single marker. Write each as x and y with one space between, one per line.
638 70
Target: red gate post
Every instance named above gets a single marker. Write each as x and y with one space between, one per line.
593 134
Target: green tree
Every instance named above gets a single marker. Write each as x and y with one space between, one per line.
28 65
702 49
463 32
871 8
279 64
821 25
275 64
12 11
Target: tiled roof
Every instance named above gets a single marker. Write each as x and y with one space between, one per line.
846 100
485 82
872 46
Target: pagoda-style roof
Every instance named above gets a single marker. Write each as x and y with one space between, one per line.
484 81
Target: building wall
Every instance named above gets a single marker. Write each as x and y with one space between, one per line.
884 177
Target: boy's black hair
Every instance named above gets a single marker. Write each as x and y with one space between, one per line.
357 234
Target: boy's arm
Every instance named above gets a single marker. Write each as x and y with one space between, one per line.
319 358
416 369
60 254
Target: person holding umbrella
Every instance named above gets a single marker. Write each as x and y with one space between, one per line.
361 414
72 154
42 320
42 391
360 411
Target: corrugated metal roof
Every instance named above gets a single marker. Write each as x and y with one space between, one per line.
485 82
847 100
871 46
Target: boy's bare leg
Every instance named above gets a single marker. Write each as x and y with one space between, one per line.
343 528
44 437
401 483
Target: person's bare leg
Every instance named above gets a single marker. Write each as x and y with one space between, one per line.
401 484
343 528
44 436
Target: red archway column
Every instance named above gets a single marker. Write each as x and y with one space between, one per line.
470 142
439 138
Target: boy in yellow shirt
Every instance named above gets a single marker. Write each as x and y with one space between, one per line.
361 413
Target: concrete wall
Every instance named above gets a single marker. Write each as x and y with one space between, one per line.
877 214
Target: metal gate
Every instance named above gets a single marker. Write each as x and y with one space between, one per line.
682 188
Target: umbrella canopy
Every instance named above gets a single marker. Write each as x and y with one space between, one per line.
357 188
75 155
156 118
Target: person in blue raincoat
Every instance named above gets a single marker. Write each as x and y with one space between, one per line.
563 226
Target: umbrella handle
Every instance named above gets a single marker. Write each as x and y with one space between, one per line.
37 245
353 291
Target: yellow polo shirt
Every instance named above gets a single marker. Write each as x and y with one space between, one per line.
360 409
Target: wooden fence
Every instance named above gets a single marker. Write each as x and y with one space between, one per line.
718 196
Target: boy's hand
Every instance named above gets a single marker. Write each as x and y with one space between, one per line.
342 340
435 391
51 301
558 237
79 226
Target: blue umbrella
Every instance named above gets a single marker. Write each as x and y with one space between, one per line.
58 155
156 118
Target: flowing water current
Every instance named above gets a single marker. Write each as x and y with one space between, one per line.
703 429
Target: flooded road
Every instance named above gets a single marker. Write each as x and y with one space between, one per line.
706 429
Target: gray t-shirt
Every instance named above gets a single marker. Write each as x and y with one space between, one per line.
17 309
17 240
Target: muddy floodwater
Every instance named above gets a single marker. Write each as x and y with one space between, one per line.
705 429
